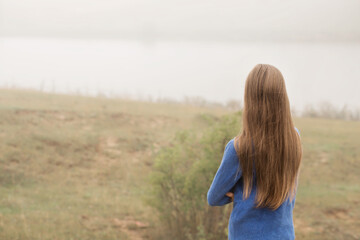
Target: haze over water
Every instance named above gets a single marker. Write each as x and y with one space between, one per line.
216 71
174 49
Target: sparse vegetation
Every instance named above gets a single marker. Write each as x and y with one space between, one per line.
181 177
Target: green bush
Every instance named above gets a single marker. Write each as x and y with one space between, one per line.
182 176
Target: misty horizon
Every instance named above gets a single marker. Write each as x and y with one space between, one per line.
175 49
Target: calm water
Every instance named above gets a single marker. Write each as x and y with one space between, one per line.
314 72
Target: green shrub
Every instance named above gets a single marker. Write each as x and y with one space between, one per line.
182 176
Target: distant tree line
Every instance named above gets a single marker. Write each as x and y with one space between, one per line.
327 110
322 110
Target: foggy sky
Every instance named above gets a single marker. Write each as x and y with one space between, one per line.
205 20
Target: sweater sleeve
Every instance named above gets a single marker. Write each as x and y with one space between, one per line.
225 178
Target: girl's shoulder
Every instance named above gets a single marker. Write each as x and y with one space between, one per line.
231 142
230 146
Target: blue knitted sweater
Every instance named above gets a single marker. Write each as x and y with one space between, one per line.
246 221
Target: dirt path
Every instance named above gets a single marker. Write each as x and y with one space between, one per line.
132 228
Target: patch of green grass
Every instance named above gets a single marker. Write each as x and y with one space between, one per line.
327 204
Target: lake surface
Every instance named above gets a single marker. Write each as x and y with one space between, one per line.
314 72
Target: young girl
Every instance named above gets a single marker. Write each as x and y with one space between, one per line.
260 166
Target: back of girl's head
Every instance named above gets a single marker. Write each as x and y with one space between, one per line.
267 124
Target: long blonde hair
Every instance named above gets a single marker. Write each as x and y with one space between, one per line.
268 147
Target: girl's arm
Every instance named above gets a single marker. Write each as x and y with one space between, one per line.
225 177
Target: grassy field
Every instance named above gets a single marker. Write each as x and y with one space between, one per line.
75 167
